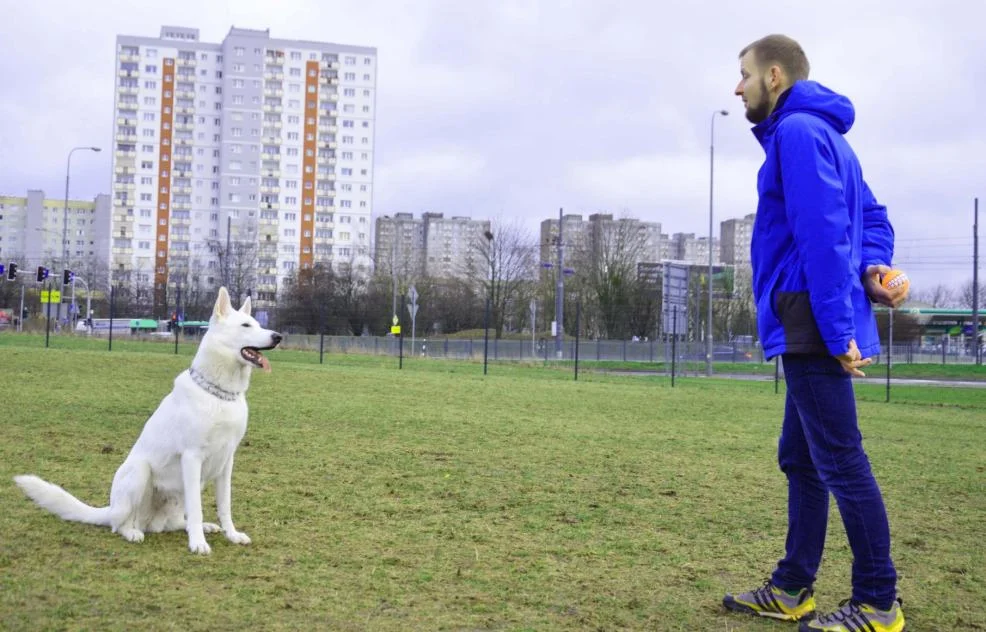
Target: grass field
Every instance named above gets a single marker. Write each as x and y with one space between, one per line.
437 498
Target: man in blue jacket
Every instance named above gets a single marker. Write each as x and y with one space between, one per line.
821 241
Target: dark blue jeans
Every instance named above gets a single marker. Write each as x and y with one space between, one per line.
821 451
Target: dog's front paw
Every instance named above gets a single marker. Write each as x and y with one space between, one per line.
132 535
237 537
199 545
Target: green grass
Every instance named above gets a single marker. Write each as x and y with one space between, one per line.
437 498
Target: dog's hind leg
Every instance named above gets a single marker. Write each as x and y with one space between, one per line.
130 500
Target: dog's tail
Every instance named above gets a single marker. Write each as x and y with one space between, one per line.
60 502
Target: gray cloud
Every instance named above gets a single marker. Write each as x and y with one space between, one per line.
519 108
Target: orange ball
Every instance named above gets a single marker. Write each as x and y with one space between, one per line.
895 279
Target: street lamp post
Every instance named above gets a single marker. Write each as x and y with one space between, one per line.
708 325
68 167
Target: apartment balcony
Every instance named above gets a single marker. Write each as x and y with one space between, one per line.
180 221
186 61
125 57
327 144
324 241
126 105
265 189
332 97
325 64
273 92
271 128
128 73
123 251
326 192
185 94
273 206
274 60
181 190
124 186
184 127
267 221
126 122
124 169
120 153
126 138
127 90
270 173
328 129
274 108
274 75
181 206
183 141
185 110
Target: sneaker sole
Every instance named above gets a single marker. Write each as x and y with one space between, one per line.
735 606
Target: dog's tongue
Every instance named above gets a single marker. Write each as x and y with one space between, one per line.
264 362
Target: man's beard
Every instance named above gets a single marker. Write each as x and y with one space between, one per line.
759 112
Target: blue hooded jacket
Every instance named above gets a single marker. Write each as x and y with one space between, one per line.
817 228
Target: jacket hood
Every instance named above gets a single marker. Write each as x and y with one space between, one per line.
813 98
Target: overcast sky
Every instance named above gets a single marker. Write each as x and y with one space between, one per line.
517 108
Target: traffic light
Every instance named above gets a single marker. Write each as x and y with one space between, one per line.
12 271
42 273
67 277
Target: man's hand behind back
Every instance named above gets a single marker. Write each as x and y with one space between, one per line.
852 360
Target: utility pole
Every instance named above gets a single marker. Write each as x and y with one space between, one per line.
975 283
560 295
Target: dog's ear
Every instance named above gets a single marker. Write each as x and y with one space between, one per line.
245 307
223 307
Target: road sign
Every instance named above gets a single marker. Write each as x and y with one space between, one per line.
413 294
396 330
55 296
675 298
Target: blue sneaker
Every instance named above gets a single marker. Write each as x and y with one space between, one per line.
773 602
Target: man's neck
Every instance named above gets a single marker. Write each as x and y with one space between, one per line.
781 98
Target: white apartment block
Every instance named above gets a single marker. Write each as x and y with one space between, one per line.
265 145
685 247
736 237
601 237
34 231
432 246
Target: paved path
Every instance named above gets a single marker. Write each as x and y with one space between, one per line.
894 381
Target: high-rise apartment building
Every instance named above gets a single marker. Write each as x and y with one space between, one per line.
433 246
686 247
251 158
601 238
736 236
36 230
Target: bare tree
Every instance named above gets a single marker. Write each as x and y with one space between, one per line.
938 296
965 295
624 307
505 262
237 264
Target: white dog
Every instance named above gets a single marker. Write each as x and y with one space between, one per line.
188 441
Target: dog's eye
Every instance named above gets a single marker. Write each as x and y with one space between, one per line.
246 324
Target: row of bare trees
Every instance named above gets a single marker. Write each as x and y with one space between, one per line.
615 301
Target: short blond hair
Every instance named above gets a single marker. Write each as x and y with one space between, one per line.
780 50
